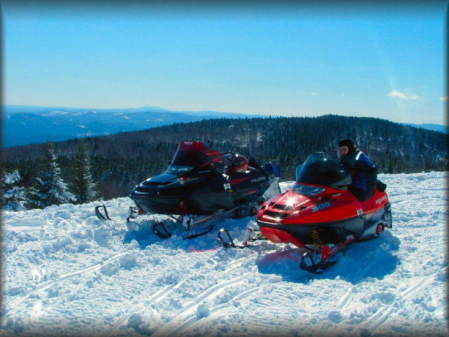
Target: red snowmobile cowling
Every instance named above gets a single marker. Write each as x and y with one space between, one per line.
319 209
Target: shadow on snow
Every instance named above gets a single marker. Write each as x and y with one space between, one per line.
362 260
374 258
144 236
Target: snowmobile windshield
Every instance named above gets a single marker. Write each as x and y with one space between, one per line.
194 155
320 169
185 160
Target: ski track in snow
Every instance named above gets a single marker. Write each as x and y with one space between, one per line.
68 273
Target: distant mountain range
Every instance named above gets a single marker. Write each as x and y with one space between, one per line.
433 127
28 124
24 124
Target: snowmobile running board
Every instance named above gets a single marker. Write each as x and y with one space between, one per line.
103 214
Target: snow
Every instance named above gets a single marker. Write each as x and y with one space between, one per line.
11 177
68 273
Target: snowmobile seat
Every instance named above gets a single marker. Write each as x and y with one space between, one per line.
238 164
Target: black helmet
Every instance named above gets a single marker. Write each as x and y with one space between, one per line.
347 142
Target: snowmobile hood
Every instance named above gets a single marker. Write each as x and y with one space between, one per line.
307 204
160 179
284 205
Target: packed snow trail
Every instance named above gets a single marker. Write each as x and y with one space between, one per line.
68 273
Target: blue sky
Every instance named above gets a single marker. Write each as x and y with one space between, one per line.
286 60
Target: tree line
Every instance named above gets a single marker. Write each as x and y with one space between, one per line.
118 162
48 186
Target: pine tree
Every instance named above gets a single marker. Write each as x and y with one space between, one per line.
36 199
14 194
50 186
83 184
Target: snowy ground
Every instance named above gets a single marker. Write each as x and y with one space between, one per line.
67 273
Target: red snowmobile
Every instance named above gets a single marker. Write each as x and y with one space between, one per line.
320 215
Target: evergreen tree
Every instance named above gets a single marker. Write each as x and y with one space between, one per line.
14 194
36 199
83 184
50 186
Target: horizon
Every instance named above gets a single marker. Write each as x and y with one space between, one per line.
294 61
224 112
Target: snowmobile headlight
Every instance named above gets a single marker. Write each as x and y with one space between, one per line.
308 190
183 179
290 202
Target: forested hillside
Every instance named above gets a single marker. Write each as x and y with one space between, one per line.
120 161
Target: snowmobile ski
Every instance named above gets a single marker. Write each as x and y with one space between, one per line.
161 230
225 239
102 213
133 213
308 263
318 259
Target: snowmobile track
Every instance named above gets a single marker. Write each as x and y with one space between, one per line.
214 312
156 298
188 315
382 314
346 298
47 284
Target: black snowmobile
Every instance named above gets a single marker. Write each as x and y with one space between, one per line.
201 186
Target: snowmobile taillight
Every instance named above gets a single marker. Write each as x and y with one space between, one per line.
141 211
